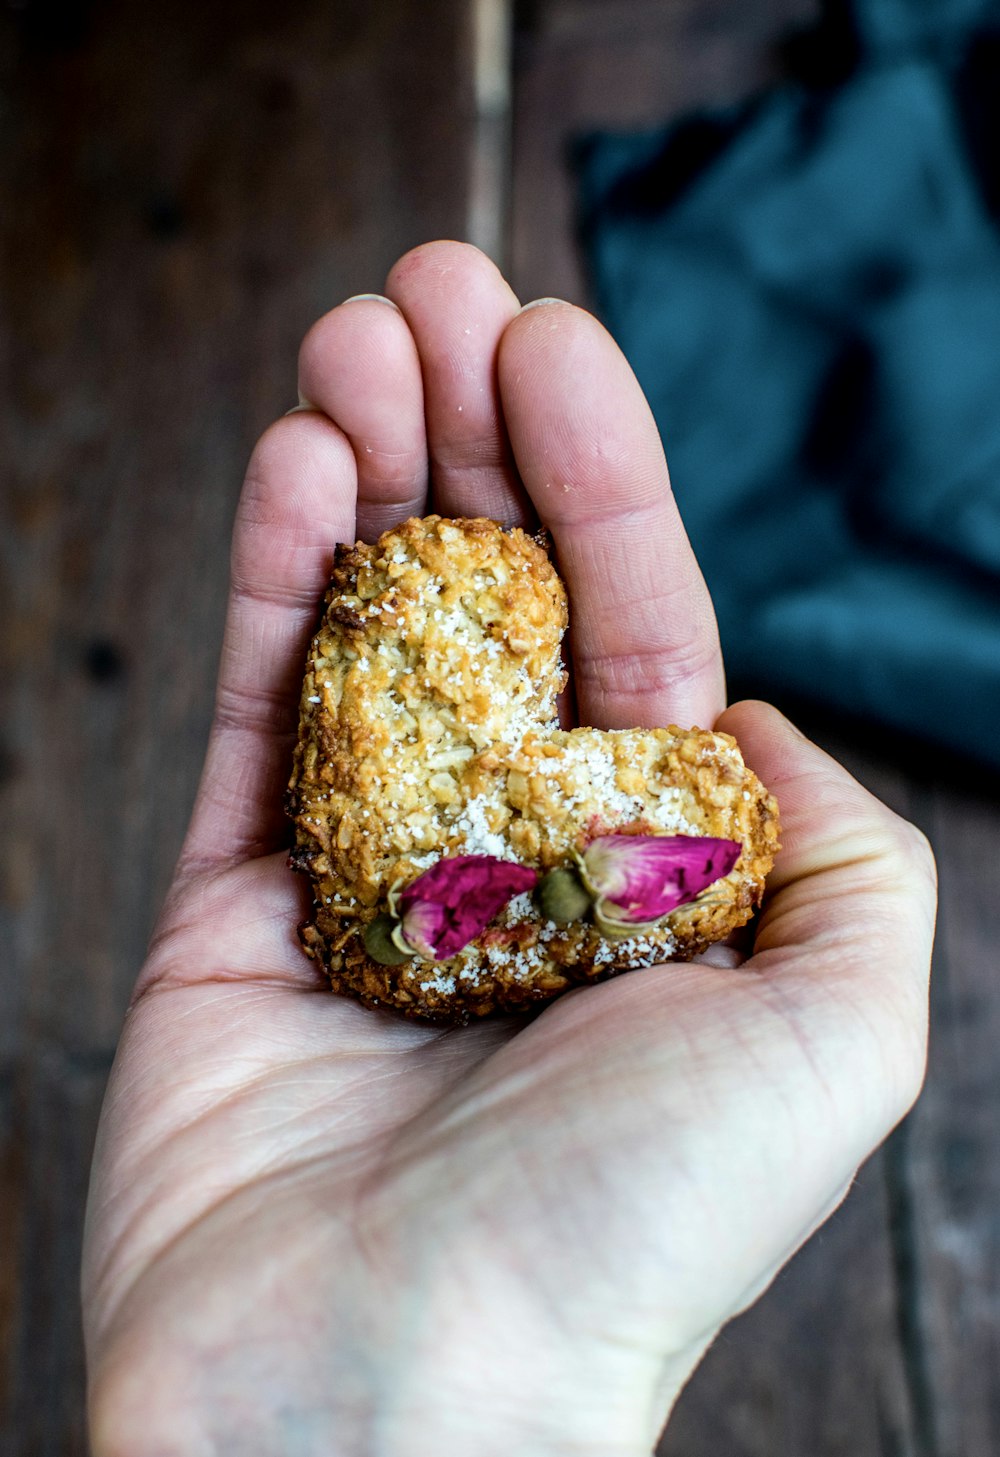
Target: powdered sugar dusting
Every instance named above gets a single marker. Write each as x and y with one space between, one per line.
445 984
593 775
477 838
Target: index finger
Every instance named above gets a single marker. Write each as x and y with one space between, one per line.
644 641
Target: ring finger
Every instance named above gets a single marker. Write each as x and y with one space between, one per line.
359 365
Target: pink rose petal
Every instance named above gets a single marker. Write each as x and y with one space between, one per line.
645 877
455 900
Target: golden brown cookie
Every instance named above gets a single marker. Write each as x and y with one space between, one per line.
429 731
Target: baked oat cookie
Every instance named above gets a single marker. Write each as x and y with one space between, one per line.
429 730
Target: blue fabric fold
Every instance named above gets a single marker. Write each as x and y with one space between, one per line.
808 287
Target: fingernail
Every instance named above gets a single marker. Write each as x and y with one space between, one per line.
378 298
536 303
302 407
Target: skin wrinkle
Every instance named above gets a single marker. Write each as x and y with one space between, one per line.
831 951
630 673
837 992
457 372
874 867
256 671
817 906
399 490
883 835
228 798
258 637
260 1082
296 555
260 711
165 1246
682 688
374 453
803 1042
576 476
559 480
255 845
480 456
621 522
648 567
482 481
249 592
652 627
289 606
263 1081
168 979
214 893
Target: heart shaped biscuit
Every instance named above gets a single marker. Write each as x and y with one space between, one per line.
429 729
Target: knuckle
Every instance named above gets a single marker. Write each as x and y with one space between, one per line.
644 669
912 855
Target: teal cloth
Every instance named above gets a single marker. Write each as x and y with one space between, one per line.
808 288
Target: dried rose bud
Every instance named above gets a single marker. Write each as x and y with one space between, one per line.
636 880
379 942
562 897
450 904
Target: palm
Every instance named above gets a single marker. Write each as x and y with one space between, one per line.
597 1170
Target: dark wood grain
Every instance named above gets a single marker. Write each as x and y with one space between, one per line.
881 1337
184 190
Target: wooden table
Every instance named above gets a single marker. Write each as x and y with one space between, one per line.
180 198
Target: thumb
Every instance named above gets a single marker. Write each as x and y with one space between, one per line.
849 914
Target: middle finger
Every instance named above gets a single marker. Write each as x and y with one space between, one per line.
457 306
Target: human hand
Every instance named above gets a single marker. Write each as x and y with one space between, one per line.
317 1229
